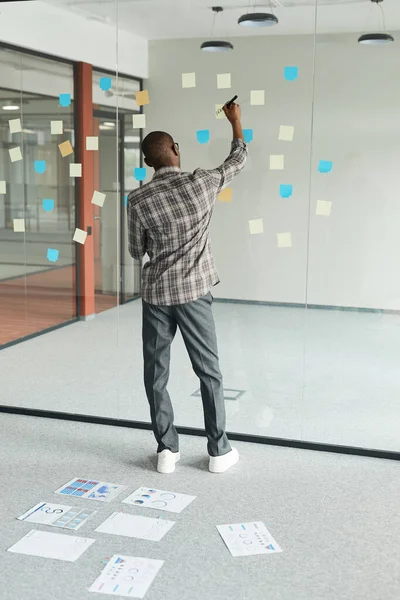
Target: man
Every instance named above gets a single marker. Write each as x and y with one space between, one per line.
169 219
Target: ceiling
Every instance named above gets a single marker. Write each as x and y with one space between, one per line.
169 19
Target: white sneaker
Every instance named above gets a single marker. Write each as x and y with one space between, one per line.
167 460
220 464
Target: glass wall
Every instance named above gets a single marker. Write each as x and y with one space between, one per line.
307 311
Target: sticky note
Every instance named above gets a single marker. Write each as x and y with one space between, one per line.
285 190
80 236
277 162
52 255
98 198
66 148
225 195
139 121
219 113
48 204
64 99
3 187
248 135
223 81
105 83
19 225
142 98
257 97
15 154
291 73
126 200
284 240
15 125
140 173
40 166
286 133
325 166
75 170
203 136
56 127
256 226
188 80
323 208
92 142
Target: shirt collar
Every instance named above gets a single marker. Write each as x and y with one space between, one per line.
165 171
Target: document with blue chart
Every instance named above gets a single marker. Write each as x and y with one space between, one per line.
57 515
90 489
128 576
159 500
244 539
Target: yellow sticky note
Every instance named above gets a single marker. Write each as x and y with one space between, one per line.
15 154
56 127
92 142
66 148
223 81
277 162
142 98
284 240
75 170
225 195
80 236
256 226
219 113
188 80
139 121
98 198
257 97
323 208
3 187
19 225
286 133
15 125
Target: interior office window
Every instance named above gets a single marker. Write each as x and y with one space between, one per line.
37 200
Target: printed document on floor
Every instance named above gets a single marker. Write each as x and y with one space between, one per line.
90 489
127 576
145 528
159 499
57 515
52 545
244 539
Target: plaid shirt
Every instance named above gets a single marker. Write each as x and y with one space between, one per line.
169 219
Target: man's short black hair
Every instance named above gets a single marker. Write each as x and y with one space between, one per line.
155 147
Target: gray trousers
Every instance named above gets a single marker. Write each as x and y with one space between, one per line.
196 323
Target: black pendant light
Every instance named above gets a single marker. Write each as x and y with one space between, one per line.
376 39
258 19
216 45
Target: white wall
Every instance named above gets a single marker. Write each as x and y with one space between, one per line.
39 26
354 255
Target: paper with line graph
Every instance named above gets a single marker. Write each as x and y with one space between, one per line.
244 539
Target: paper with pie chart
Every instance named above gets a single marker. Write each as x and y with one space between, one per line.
159 499
245 539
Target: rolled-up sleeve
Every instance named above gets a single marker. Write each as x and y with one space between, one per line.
232 166
136 234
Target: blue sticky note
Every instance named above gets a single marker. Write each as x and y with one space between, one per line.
126 201
105 83
203 136
248 135
48 204
325 166
140 173
52 255
64 99
40 166
286 190
291 73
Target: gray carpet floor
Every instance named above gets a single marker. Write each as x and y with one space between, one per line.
336 517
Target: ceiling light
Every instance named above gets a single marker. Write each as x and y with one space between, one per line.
376 39
10 107
109 124
258 20
216 45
